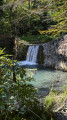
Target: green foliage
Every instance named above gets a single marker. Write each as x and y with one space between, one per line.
37 38
30 17
15 96
18 98
49 102
58 13
52 118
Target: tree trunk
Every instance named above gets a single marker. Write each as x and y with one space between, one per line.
29 4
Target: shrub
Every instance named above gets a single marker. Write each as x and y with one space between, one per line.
17 95
49 102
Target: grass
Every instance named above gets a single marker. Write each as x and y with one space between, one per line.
37 38
55 100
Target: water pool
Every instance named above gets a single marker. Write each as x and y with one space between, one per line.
45 78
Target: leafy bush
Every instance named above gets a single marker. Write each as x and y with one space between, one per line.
49 102
17 96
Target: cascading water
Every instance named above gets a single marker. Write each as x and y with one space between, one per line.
32 54
31 58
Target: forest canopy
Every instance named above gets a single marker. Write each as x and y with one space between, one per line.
33 17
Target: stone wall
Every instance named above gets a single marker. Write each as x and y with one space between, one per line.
55 54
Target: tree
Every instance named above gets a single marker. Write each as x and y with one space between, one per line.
58 12
51 14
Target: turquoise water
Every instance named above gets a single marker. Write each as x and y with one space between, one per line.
45 77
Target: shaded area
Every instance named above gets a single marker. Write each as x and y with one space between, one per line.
60 116
40 56
7 42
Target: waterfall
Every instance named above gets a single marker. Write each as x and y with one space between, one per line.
31 58
32 54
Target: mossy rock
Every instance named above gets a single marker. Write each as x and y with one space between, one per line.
22 52
40 56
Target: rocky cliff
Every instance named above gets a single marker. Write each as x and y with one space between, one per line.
55 54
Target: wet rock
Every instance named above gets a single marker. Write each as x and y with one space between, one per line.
40 56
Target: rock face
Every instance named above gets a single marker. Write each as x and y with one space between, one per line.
40 56
52 54
55 54
20 50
